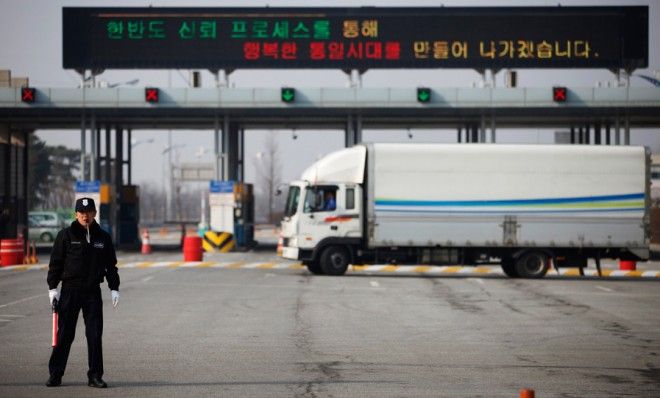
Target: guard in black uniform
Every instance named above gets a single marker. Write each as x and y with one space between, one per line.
82 256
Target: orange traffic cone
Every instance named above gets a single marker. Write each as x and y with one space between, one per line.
280 244
146 246
33 258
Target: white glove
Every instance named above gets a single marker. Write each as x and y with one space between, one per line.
115 298
53 294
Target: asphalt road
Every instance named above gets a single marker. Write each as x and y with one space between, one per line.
205 332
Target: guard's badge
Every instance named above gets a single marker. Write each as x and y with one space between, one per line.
98 245
85 202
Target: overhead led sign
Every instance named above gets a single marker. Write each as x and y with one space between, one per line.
360 38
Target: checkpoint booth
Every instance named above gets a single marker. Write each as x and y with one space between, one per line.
231 225
118 215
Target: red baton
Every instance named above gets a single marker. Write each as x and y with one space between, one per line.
55 320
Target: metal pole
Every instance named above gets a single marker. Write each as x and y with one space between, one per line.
241 154
97 133
216 147
119 174
627 132
587 134
572 134
493 132
225 148
130 154
607 134
92 162
108 173
617 131
83 147
168 192
348 132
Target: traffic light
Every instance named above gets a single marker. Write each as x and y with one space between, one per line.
288 94
151 95
559 94
423 94
28 94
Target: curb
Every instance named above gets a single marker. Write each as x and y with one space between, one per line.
365 269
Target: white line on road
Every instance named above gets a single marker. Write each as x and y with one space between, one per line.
21 300
147 279
6 320
479 281
12 316
604 288
374 284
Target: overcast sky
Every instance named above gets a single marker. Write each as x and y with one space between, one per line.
32 43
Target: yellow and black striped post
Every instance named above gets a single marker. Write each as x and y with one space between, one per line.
222 242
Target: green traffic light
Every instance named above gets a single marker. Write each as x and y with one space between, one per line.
288 94
423 94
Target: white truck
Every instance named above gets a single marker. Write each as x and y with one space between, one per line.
525 207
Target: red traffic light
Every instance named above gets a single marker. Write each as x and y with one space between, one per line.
28 94
559 94
151 94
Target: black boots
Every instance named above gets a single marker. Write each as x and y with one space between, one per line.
54 381
96 382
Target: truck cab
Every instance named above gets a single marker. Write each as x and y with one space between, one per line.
317 216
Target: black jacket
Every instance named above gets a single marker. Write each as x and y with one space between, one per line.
78 263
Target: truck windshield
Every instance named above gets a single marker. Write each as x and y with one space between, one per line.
292 201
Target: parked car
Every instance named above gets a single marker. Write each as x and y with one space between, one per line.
44 225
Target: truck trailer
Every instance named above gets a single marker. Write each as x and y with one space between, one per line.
525 207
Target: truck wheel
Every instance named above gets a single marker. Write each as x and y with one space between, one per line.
314 268
46 237
334 260
532 264
509 268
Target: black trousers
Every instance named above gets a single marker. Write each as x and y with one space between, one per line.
72 300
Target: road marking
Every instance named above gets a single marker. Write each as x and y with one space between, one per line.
12 316
147 279
358 268
479 281
604 288
374 283
22 300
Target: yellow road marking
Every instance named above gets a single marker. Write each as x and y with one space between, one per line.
634 273
175 264
297 266
482 270
421 268
390 268
359 267
452 269
572 272
145 264
204 264
266 265
236 265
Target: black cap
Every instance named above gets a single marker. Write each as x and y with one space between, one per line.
85 204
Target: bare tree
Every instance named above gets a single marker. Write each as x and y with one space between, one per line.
268 168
